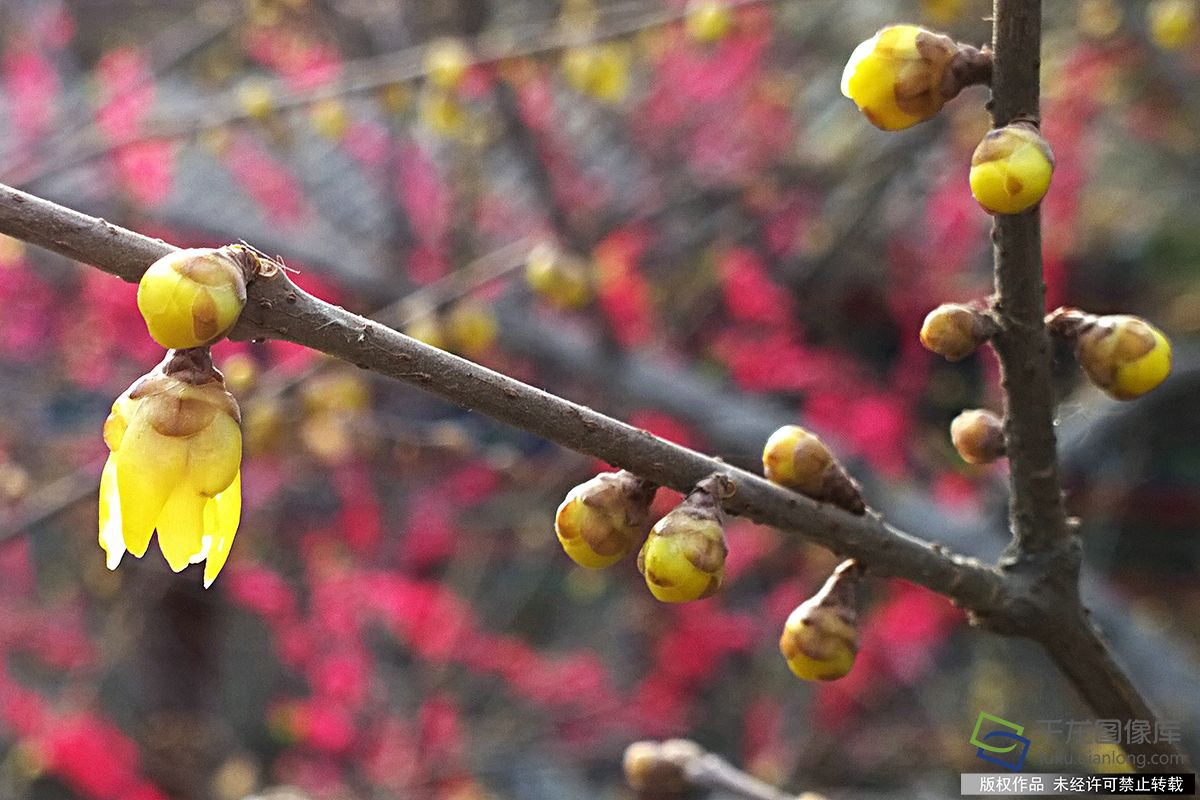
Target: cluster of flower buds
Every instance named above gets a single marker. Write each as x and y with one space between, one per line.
191 298
174 466
904 74
955 331
708 21
795 458
604 519
175 436
1011 169
978 436
820 637
562 279
684 556
1125 356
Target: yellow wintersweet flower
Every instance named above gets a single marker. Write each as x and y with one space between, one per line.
599 70
896 77
175 466
191 298
683 558
1011 169
820 637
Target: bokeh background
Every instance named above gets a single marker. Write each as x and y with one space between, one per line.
397 619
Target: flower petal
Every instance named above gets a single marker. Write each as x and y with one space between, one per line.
180 526
111 538
221 517
149 467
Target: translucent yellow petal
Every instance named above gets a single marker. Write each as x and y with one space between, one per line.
214 456
221 517
111 538
149 467
181 525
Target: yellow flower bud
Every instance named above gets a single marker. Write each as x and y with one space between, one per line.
1172 23
797 459
820 637
599 70
978 436
174 467
471 328
708 21
658 768
329 119
560 278
1125 356
256 100
442 113
943 12
905 74
955 331
602 520
191 298
1011 169
446 63
684 556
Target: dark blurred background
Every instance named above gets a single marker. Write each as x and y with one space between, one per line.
397 619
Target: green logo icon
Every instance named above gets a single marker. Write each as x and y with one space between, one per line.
1000 730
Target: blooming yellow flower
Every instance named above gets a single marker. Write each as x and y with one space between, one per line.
176 450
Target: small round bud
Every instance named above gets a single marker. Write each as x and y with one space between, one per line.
1011 169
1125 356
708 21
256 100
599 70
797 459
446 63
684 556
471 328
329 119
905 74
191 298
560 278
955 331
1173 23
978 436
659 769
820 637
602 520
442 113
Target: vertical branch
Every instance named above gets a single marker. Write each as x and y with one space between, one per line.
1037 516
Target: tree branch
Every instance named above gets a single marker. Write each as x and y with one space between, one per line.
277 308
1044 557
1037 516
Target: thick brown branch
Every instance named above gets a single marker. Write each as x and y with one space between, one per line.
277 308
1038 518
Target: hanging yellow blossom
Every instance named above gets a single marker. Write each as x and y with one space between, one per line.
175 466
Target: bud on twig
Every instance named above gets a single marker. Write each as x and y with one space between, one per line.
191 298
797 459
1011 169
905 74
820 638
602 520
1125 356
978 436
955 331
658 768
684 556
